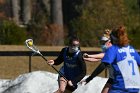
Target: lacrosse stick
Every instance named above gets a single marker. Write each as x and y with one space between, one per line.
31 46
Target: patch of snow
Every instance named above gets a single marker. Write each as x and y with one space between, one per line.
45 82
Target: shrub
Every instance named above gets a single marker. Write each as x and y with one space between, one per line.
10 33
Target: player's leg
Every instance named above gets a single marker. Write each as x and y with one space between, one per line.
62 85
106 88
107 85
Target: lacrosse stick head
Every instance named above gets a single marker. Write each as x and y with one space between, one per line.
29 43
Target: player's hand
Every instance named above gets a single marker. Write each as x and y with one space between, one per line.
85 55
70 83
51 62
83 82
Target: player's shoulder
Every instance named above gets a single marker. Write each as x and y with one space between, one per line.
64 48
113 47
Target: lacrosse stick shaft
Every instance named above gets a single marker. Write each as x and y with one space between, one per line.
54 68
30 45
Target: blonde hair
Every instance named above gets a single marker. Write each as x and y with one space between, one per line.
107 33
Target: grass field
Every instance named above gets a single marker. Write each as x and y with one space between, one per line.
11 67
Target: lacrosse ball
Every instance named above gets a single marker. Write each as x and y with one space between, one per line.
30 43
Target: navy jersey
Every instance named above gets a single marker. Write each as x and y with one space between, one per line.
71 68
74 67
114 55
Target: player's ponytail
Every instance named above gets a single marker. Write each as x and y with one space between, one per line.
119 36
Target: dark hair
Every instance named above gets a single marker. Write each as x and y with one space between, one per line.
119 36
73 39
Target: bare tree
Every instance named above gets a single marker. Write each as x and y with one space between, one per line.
56 12
26 11
57 19
15 10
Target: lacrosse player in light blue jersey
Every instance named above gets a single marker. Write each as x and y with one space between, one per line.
124 60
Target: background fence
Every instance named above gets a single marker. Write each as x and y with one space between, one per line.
30 60
30 54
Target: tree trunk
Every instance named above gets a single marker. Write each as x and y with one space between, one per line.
57 19
56 12
26 11
15 10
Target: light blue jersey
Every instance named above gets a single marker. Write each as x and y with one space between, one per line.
114 55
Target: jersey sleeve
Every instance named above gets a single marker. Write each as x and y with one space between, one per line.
110 55
59 59
137 57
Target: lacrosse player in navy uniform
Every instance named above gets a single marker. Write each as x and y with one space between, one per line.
74 68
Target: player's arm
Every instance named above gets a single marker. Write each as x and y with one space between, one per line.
137 57
59 59
96 56
97 71
92 59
